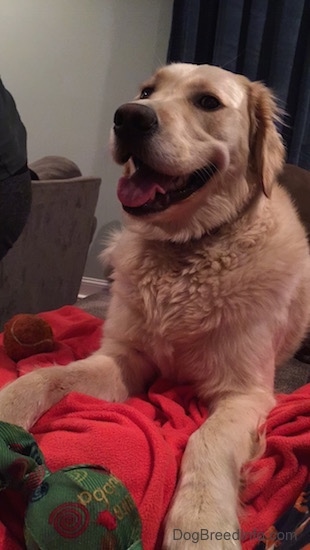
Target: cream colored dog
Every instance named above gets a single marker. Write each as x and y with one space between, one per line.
211 281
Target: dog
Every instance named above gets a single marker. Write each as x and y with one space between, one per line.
211 281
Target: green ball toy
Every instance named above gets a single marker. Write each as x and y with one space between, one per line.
77 507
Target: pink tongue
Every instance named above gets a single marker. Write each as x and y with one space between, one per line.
142 187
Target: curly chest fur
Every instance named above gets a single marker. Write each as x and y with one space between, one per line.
178 289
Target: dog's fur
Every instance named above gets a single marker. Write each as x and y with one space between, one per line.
213 290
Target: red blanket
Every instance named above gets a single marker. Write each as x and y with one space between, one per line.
142 441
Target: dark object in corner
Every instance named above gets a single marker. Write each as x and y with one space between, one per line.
15 183
297 182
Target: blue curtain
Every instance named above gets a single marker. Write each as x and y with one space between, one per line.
266 40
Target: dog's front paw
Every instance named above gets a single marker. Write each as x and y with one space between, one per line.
12 410
196 522
22 401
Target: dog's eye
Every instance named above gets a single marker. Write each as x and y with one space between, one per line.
146 92
208 103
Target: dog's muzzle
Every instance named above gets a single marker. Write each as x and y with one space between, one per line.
147 190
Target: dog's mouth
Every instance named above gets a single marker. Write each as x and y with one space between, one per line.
147 191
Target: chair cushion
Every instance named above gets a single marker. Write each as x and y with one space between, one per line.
55 168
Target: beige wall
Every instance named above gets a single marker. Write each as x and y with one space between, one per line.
69 64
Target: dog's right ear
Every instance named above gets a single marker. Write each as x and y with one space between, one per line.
266 146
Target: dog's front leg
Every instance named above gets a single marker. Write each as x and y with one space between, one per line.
204 509
109 377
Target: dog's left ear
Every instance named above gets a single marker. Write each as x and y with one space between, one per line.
266 146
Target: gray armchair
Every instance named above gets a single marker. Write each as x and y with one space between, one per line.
44 268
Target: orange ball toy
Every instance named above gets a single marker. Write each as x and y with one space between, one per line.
25 335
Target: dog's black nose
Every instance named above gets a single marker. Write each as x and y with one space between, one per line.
133 119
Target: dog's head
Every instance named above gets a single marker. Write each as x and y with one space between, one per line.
196 143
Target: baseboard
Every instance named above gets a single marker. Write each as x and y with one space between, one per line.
90 285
